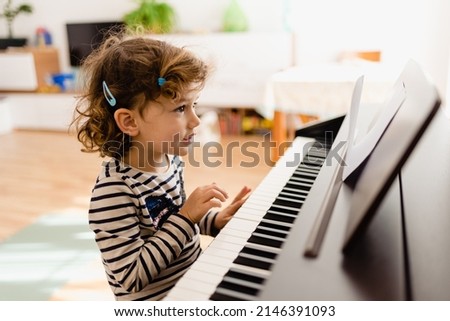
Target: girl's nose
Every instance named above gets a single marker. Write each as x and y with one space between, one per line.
194 120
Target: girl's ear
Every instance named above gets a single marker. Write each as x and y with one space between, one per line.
126 122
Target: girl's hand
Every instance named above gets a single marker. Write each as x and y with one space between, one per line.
201 200
227 213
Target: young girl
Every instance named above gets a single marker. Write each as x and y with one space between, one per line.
138 109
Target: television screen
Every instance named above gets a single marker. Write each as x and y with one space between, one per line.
85 37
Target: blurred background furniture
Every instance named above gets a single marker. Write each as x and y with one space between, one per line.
28 68
319 91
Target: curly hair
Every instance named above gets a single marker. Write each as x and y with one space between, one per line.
131 67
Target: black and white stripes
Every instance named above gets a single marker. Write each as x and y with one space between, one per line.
146 246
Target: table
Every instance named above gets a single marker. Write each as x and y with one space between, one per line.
322 90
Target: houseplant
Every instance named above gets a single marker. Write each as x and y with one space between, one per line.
234 19
151 16
10 12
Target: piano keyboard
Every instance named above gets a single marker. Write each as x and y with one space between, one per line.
238 261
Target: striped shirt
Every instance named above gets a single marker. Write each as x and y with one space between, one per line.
145 244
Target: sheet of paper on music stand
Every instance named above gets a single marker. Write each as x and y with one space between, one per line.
354 109
358 152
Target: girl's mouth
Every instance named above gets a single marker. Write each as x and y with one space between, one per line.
188 139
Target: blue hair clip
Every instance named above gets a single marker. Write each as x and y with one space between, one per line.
108 95
161 81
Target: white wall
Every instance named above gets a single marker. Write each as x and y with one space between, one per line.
400 28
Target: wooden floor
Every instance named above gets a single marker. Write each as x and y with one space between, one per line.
43 172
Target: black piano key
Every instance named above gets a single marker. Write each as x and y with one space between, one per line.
257 252
300 185
307 175
284 210
313 159
252 263
297 202
308 169
283 202
241 276
278 217
267 236
223 297
298 181
304 175
238 287
277 222
270 232
279 232
297 186
286 194
265 241
298 196
283 213
302 180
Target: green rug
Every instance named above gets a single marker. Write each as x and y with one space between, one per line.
42 257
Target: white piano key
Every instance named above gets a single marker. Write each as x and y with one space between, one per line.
256 206
220 261
230 239
236 233
243 282
263 248
220 252
201 277
225 246
274 211
197 285
251 270
241 225
262 198
268 236
258 258
251 216
209 269
290 199
273 229
250 210
180 294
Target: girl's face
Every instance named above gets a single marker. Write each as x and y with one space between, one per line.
166 127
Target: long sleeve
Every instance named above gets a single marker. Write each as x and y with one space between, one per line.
206 224
134 261
144 243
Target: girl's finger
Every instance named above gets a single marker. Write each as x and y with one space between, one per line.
244 191
221 190
214 202
215 191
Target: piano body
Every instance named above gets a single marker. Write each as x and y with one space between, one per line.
287 241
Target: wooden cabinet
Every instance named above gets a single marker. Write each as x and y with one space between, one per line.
27 69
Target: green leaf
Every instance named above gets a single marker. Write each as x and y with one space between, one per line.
152 16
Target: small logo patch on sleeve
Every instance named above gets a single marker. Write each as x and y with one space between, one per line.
159 208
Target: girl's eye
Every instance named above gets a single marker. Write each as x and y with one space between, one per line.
180 109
